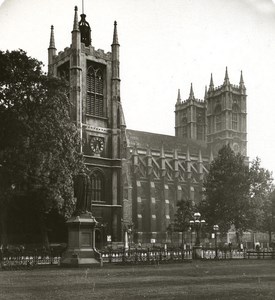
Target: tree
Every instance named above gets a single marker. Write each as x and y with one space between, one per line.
268 220
39 144
261 187
227 189
183 215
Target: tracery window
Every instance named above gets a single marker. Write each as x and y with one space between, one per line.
94 102
97 187
235 111
218 119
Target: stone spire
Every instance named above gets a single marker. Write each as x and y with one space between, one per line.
51 53
179 97
76 26
52 42
205 93
115 35
115 55
191 94
242 86
76 43
211 85
226 78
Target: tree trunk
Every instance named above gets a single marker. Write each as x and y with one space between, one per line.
44 231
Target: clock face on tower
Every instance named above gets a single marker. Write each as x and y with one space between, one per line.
97 144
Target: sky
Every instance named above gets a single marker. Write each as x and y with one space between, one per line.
166 45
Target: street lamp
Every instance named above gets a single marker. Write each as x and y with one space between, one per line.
216 229
197 225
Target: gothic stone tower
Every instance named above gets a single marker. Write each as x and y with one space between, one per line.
95 94
190 117
219 119
226 116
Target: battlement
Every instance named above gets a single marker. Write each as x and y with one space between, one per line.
99 53
184 103
62 54
234 87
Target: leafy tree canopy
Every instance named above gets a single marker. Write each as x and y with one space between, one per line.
39 143
234 193
226 191
185 211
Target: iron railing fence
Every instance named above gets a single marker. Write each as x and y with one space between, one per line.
139 256
14 258
20 258
260 254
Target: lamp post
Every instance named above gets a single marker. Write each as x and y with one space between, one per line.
216 229
197 225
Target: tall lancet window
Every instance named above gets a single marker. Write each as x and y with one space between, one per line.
235 111
94 103
218 118
97 187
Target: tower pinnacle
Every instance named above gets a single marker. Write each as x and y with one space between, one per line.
191 95
211 85
51 53
76 27
115 36
226 78
179 97
242 86
241 79
52 42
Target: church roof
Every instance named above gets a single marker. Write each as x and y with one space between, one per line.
155 141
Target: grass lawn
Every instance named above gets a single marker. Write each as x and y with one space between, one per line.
238 279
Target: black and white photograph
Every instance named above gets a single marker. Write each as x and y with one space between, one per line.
137 143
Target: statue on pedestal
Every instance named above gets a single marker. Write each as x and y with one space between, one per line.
82 194
81 228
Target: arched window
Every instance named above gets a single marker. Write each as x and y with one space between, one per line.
218 119
97 187
235 110
94 103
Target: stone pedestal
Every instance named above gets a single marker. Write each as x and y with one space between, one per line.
81 250
197 252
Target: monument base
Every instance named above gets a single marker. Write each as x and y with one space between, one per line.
81 251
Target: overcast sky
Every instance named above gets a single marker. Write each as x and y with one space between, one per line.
166 45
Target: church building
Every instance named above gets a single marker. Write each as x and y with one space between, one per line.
137 177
